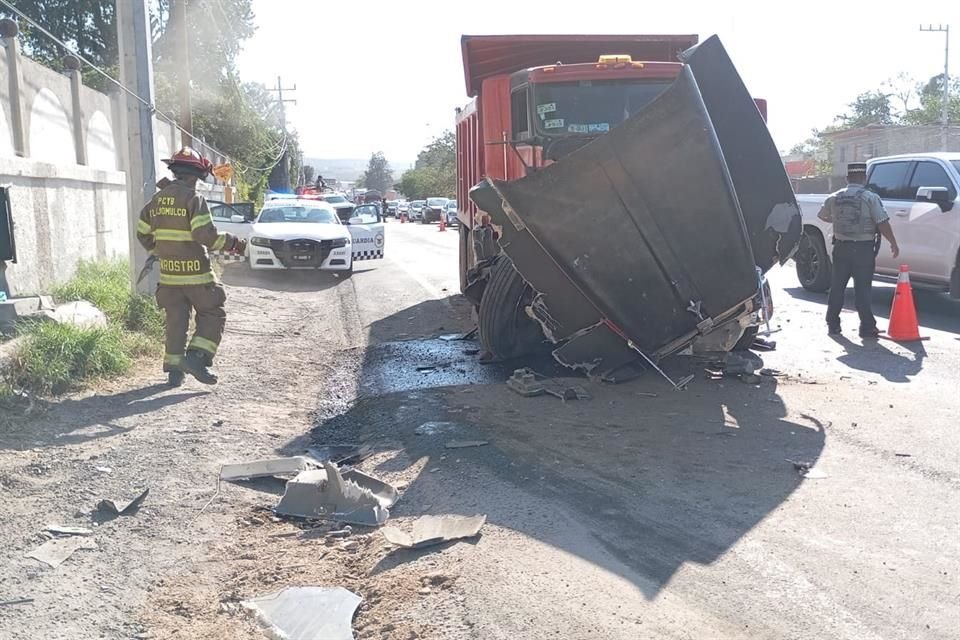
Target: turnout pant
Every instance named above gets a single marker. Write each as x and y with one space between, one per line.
857 260
178 303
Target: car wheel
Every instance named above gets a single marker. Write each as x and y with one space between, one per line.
813 263
955 280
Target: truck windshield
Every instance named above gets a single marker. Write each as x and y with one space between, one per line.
590 106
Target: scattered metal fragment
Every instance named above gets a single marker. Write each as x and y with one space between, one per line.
427 367
6 603
68 531
306 613
808 470
265 468
764 345
772 373
471 352
453 337
121 507
528 383
434 428
353 497
340 454
903 455
431 530
465 444
55 552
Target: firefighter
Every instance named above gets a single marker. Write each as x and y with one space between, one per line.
176 228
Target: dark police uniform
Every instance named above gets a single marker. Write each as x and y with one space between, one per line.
855 213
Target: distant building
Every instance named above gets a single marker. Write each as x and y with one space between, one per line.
876 140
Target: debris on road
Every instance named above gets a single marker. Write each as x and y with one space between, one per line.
764 345
121 507
265 468
528 383
465 444
808 470
306 613
7 603
68 531
55 552
431 530
471 352
434 428
353 497
453 337
340 454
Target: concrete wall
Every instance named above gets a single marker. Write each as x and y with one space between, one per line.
859 145
64 167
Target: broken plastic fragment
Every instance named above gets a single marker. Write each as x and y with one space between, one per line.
306 613
431 530
353 497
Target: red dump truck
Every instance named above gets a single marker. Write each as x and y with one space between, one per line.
619 198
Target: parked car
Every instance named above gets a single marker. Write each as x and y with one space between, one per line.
391 208
451 212
416 209
921 194
433 208
308 234
403 207
340 203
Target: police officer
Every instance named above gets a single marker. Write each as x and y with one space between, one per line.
857 216
176 227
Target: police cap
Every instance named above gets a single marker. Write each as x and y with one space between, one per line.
856 167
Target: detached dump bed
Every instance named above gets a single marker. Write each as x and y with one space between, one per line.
656 231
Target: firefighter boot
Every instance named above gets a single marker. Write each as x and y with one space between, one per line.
195 363
175 378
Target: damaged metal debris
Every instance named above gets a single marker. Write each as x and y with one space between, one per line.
529 383
616 261
122 507
352 497
306 613
432 530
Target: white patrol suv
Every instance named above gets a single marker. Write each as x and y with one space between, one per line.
308 234
921 194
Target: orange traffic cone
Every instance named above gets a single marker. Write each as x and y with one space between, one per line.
443 223
903 314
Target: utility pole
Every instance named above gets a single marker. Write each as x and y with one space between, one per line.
136 118
178 17
284 165
945 107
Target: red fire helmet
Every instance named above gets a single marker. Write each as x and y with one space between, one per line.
188 157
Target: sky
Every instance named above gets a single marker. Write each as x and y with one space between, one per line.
387 75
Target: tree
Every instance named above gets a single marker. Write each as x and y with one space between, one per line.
377 175
435 172
931 103
308 174
870 107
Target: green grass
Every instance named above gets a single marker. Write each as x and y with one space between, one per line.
56 358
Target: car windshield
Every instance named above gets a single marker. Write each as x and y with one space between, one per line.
297 214
417 203
956 165
436 202
452 204
590 106
334 199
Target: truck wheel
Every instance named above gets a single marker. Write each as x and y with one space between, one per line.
813 263
955 280
505 329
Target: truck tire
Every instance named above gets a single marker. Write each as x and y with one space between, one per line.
506 331
813 262
955 280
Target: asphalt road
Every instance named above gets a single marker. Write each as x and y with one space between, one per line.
681 515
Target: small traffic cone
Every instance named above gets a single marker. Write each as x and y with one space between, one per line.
903 314
443 223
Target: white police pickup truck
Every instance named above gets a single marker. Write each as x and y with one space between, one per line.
921 194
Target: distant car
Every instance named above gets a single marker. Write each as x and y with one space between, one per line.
403 207
391 208
340 203
451 212
416 209
433 209
308 234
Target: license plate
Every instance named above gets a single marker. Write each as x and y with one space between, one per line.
303 257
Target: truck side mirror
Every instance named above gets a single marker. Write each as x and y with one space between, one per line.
939 195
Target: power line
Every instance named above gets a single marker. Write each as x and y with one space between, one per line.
153 108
